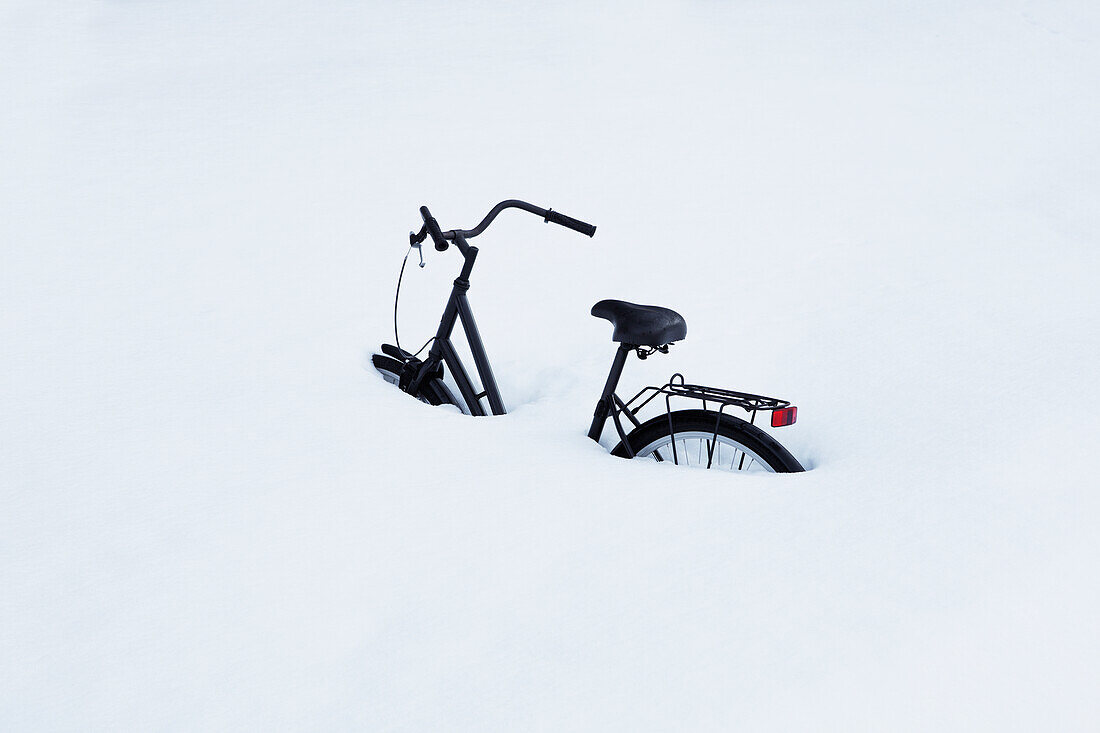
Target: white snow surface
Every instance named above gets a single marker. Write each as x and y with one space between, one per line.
217 516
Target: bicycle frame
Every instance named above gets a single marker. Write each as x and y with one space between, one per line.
443 350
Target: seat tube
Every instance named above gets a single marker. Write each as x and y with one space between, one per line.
604 406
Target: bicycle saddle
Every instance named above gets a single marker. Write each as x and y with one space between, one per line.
641 325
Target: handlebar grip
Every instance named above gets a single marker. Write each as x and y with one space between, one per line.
570 223
433 229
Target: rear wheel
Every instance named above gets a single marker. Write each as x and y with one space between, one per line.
432 391
689 437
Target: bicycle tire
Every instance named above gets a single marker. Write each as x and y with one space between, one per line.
653 439
432 391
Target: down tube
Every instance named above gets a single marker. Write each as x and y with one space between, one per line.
462 379
481 360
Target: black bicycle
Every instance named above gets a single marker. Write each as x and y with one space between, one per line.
708 437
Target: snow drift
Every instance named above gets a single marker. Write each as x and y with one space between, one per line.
217 516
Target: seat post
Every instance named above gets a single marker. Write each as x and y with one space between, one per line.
603 407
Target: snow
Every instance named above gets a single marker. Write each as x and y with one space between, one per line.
215 515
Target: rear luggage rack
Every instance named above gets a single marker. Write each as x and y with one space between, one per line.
677 387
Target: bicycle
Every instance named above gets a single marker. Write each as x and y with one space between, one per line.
707 437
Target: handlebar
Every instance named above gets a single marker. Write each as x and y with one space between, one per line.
440 238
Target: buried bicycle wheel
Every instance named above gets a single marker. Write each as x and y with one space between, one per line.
688 437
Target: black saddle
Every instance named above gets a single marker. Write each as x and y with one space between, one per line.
641 325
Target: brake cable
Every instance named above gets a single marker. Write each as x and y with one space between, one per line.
397 296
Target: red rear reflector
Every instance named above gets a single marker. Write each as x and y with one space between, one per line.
783 417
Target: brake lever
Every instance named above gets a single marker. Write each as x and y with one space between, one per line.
415 243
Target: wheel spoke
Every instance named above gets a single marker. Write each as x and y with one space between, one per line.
722 451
